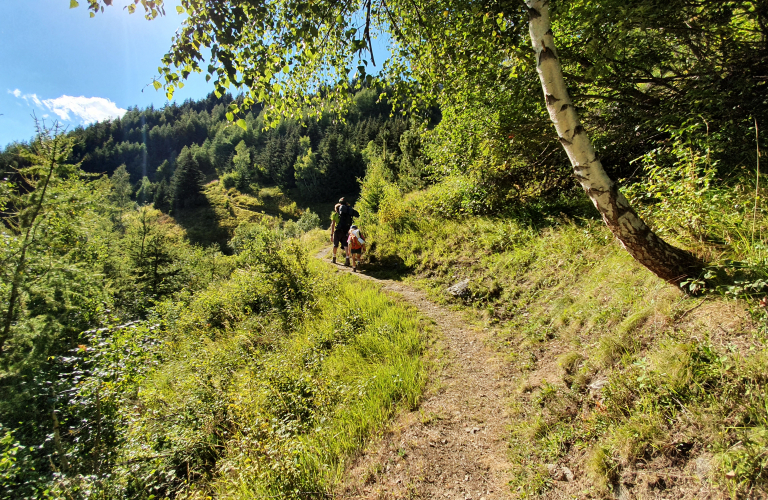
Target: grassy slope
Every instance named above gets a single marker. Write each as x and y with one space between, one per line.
215 221
256 405
360 355
623 379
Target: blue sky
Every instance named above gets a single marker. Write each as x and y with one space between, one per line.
60 64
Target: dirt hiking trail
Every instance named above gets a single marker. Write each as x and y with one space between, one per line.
454 445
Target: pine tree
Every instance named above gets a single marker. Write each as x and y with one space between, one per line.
162 198
187 183
121 188
146 191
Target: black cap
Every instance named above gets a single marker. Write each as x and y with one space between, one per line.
342 200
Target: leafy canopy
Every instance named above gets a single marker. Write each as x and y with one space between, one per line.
625 62
294 55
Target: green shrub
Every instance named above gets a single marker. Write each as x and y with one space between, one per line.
231 180
683 196
308 221
18 477
261 384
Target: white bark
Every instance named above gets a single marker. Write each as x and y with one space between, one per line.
666 261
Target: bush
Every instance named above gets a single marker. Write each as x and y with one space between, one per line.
682 196
308 221
231 180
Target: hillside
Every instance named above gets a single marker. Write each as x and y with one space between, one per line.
171 367
318 160
618 384
565 286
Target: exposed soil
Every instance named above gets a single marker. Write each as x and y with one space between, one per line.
455 444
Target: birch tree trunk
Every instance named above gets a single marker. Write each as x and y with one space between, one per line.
667 262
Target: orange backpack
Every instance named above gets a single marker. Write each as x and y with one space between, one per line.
354 243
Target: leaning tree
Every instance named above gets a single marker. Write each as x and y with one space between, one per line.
298 55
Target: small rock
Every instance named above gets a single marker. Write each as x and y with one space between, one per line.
731 474
567 473
621 492
556 472
459 289
598 385
559 473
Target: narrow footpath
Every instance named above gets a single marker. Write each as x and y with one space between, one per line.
455 444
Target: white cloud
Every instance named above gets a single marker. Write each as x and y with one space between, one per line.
87 109
26 97
34 99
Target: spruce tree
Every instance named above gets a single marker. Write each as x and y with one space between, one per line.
187 183
162 199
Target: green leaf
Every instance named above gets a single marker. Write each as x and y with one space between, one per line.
93 15
73 4
241 123
157 85
179 9
230 116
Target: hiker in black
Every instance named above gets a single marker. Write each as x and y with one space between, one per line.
341 229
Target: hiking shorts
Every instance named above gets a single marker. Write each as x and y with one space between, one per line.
357 251
340 238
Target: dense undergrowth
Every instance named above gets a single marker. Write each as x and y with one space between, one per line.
140 364
625 380
261 383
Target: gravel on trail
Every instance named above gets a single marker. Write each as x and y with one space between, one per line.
454 445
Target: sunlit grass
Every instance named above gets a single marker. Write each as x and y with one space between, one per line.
255 408
644 372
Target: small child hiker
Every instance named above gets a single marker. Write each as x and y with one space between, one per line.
356 246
